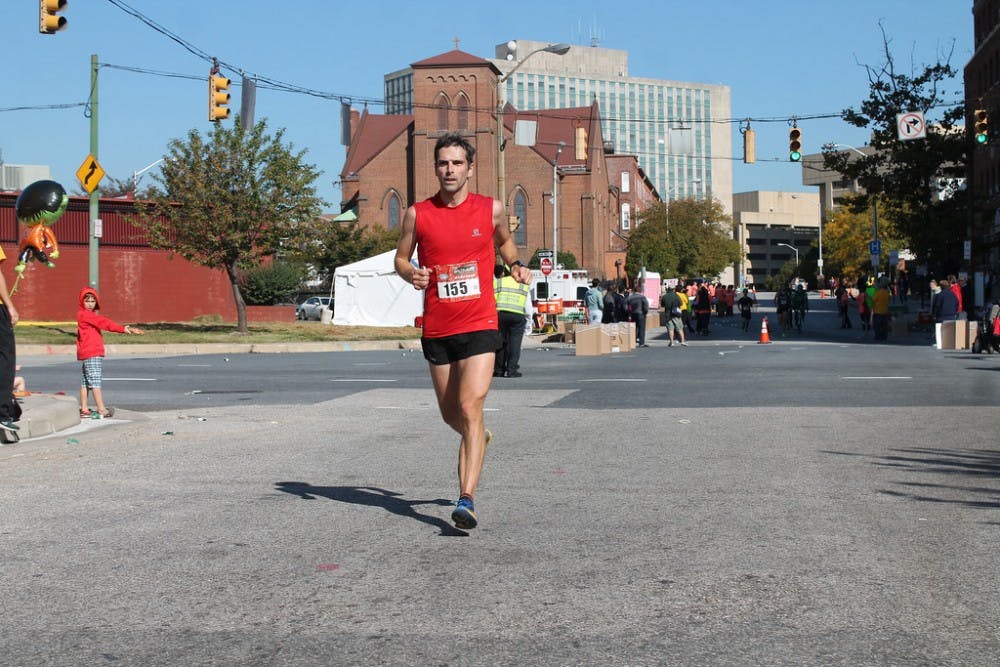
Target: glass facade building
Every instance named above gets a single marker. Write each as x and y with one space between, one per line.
681 133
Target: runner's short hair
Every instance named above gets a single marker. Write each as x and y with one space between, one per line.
455 139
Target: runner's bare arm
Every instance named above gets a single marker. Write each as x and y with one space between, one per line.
418 277
506 246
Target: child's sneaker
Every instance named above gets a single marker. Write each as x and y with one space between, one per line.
464 516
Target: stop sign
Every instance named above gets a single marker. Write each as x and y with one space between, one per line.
546 264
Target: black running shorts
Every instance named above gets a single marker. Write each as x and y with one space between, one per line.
449 349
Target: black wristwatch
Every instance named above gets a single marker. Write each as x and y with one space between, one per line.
516 262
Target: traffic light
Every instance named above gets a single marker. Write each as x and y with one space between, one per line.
982 126
49 21
749 146
581 143
795 144
217 97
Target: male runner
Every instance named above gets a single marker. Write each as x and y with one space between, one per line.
455 233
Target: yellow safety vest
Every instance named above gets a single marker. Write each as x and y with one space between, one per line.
511 295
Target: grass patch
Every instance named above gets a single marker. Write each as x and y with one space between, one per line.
64 333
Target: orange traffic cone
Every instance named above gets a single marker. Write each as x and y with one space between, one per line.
764 336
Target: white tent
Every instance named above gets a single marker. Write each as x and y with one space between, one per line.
370 293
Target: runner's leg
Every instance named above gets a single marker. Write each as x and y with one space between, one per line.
461 389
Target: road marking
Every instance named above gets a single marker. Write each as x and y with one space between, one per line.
372 363
614 380
194 365
401 407
877 377
107 379
360 380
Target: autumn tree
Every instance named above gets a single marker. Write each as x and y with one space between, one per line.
688 237
905 175
846 233
229 199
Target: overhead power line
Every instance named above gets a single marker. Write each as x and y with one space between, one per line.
275 84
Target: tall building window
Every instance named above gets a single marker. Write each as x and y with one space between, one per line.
442 111
462 110
521 211
394 208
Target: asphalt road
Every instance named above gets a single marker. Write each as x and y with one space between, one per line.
821 500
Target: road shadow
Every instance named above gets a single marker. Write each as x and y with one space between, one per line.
958 466
372 496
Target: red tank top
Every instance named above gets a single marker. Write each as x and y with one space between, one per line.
456 244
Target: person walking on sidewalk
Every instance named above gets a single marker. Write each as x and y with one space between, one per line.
671 303
10 409
594 300
456 234
90 350
638 309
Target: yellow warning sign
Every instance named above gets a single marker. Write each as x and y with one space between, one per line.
90 174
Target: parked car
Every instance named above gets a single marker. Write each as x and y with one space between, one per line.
312 308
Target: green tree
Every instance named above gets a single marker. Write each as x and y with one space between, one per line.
690 237
229 199
325 245
904 175
267 285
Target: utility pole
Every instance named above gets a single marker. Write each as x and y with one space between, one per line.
94 214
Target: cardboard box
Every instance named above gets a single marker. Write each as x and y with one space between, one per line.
944 333
953 335
592 341
973 333
653 321
961 335
622 336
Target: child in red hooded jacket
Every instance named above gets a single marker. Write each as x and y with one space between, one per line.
90 350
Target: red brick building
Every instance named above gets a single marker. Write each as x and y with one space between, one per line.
390 160
136 283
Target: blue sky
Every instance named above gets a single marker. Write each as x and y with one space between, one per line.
781 58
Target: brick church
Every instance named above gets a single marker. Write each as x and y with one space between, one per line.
390 164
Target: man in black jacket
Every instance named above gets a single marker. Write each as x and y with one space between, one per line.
638 307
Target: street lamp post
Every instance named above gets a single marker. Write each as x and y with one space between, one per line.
875 256
558 49
796 251
136 174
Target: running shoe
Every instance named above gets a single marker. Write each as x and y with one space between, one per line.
489 437
464 516
9 425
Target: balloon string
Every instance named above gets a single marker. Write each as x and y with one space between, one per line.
13 289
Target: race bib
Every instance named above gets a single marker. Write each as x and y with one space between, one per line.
457 282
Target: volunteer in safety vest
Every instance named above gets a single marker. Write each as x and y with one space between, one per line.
513 311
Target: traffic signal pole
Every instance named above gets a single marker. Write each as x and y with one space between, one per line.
94 213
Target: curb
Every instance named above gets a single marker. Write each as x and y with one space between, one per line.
177 349
45 414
